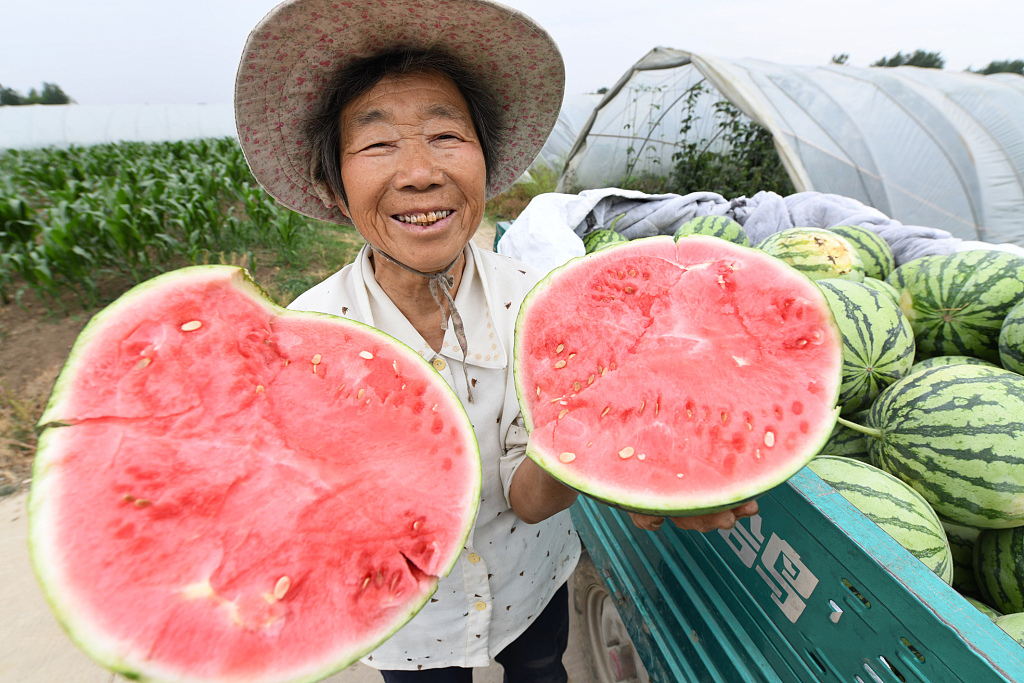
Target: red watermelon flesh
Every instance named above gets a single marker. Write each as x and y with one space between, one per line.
237 492
676 378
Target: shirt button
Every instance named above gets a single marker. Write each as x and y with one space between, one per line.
438 364
474 558
481 606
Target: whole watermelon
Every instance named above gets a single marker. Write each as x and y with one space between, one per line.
1013 625
883 287
954 434
899 510
1011 339
815 252
999 568
602 239
939 361
957 302
721 227
878 342
873 250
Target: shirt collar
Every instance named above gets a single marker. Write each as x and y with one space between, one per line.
474 301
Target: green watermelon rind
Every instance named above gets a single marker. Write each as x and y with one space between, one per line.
957 302
929 430
869 485
597 240
940 361
795 247
608 497
874 251
82 631
961 542
878 341
883 287
1012 625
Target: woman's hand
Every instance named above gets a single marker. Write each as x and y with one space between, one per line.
702 523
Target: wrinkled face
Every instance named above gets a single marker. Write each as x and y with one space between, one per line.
413 169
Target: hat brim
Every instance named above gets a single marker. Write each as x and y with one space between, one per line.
292 53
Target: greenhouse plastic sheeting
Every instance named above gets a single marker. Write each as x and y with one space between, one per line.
32 126
924 146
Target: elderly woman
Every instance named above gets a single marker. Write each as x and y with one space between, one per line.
402 118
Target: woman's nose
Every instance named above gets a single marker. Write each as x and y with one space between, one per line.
418 168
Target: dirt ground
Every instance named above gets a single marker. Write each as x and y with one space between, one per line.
34 344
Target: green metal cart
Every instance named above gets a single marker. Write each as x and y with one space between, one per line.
808 590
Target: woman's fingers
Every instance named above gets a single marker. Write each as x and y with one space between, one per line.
648 522
725 519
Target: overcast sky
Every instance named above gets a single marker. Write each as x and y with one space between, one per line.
186 51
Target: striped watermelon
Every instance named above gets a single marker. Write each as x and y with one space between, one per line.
1013 624
957 302
849 443
899 510
878 342
722 227
883 287
961 542
1011 339
940 361
999 568
601 239
873 250
954 434
982 607
817 253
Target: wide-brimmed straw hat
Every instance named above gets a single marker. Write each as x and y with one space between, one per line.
292 53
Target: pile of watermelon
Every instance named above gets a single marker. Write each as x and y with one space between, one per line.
931 400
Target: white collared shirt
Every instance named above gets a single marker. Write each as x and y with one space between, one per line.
509 570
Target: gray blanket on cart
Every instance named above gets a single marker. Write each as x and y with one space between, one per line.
549 232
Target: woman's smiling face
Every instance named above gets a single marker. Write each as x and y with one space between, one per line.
413 169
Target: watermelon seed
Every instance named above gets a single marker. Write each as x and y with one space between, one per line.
191 325
259 388
679 474
316 359
564 403
563 413
142 503
606 411
740 362
571 356
560 348
281 587
366 582
394 582
567 457
380 578
590 444
143 363
757 453
394 364
603 370
434 408
641 456
626 452
559 365
657 407
632 273
642 404
417 524
360 393
576 386
769 439
538 390
556 400
366 354
591 380
724 417
629 290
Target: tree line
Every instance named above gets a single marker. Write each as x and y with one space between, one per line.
935 60
50 94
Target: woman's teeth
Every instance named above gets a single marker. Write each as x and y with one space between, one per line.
423 218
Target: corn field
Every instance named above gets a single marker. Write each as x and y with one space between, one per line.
71 218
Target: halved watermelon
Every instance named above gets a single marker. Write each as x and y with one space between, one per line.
676 378
230 491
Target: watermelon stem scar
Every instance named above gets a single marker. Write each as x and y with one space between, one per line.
870 431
